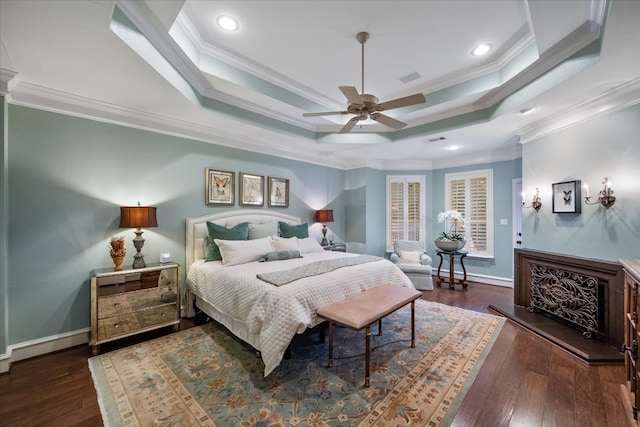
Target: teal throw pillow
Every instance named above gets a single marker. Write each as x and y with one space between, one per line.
300 231
239 232
280 255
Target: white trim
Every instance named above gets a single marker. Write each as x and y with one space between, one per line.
40 346
478 278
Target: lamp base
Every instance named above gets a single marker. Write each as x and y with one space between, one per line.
138 261
324 241
138 243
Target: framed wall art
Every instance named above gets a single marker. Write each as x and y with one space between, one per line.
567 197
219 187
251 189
278 192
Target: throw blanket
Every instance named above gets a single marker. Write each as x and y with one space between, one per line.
279 278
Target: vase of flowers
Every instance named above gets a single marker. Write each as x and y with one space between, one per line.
117 251
449 240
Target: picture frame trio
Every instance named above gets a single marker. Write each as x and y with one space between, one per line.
220 189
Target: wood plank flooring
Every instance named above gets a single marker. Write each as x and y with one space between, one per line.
525 381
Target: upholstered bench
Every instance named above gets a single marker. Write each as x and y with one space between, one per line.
363 309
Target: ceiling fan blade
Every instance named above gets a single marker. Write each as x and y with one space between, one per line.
418 98
352 94
326 113
350 124
389 121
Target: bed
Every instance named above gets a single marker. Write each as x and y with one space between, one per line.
264 315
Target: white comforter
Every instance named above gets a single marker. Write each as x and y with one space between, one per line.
274 313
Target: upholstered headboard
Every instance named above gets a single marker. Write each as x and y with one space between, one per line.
197 227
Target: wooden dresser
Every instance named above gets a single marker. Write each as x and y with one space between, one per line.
131 301
630 392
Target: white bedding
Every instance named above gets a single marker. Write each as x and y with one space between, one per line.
275 314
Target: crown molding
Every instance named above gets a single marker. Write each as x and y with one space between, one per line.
618 98
8 80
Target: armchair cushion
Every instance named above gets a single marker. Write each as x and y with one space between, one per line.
410 257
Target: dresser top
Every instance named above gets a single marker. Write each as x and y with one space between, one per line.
632 266
128 269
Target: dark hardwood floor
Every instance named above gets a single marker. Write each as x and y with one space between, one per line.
525 381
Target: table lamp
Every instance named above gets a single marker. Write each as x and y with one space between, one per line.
138 217
324 216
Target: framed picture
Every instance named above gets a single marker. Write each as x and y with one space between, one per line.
219 187
278 192
567 197
251 189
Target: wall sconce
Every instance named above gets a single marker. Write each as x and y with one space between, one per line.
605 197
536 203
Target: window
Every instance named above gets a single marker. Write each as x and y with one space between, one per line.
405 209
471 193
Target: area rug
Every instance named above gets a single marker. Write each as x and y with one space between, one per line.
204 376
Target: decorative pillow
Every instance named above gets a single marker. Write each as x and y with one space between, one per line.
300 231
282 244
236 252
239 232
410 257
309 245
258 231
280 255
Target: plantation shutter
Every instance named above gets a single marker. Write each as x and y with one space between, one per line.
405 209
470 193
477 214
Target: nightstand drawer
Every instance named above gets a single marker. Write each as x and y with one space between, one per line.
116 326
157 316
113 306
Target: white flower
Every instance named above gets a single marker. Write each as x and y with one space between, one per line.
451 215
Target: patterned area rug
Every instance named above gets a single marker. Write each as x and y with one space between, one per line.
205 376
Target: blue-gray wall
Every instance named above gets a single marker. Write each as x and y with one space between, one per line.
609 146
67 178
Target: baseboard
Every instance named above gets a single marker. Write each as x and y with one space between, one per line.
480 278
33 348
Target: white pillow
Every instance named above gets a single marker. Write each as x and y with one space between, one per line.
309 245
258 231
285 244
236 252
410 257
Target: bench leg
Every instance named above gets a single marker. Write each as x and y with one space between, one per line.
413 324
367 356
380 327
330 343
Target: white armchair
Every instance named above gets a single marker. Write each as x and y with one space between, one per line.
411 259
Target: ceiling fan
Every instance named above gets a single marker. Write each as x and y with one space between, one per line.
366 106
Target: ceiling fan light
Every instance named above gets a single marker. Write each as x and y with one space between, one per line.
227 23
482 49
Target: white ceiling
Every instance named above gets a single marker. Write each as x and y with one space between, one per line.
165 65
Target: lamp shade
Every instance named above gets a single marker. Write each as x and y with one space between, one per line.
138 216
324 216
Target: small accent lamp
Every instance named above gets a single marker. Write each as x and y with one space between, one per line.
138 217
605 197
324 216
536 203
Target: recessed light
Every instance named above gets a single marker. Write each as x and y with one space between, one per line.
526 111
482 49
227 23
453 147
